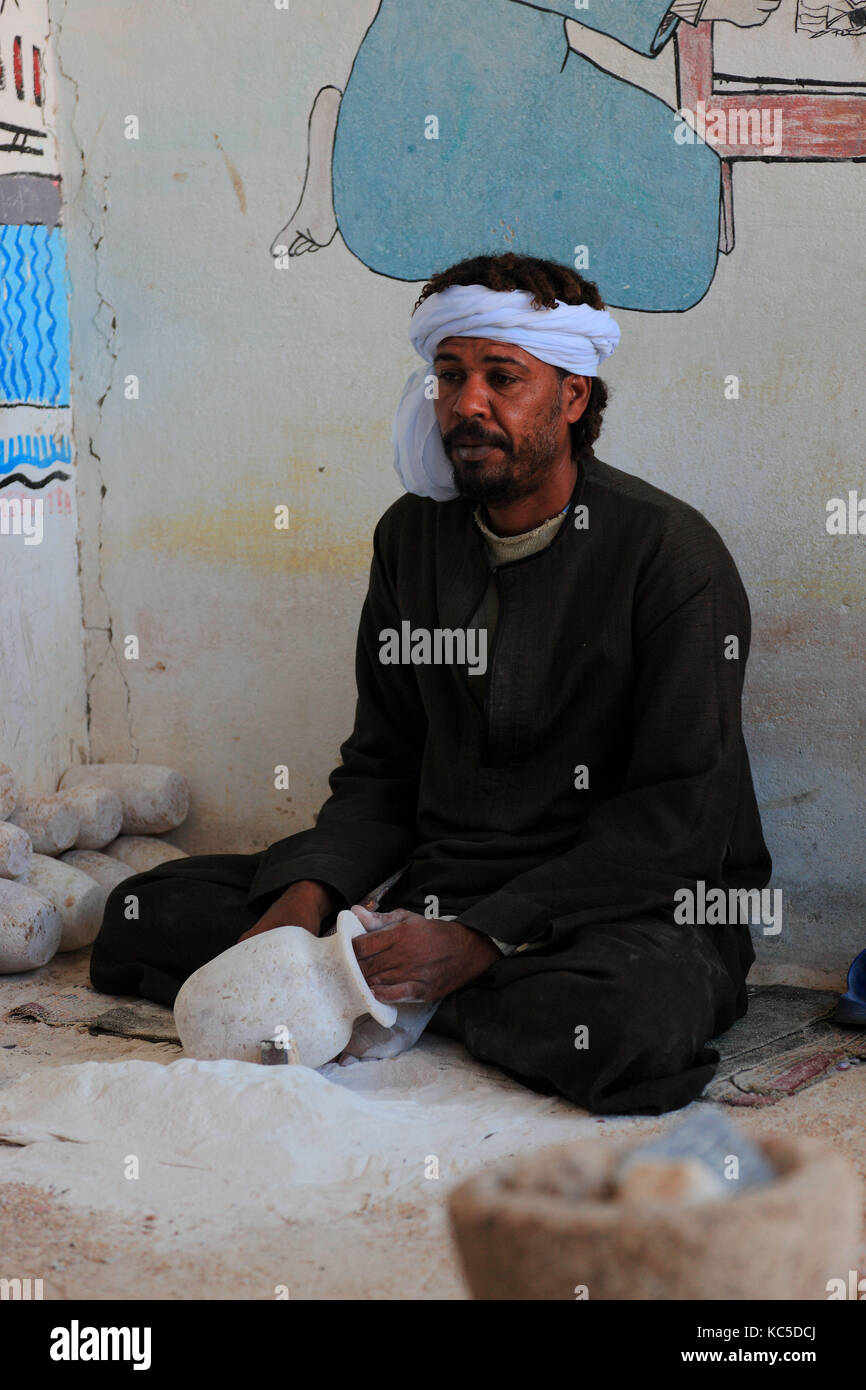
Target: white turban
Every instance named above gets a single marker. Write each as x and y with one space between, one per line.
574 336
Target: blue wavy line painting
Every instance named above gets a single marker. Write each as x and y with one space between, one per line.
34 322
35 450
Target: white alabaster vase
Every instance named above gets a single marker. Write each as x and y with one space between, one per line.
282 979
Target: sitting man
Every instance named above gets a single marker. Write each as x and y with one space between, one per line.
547 746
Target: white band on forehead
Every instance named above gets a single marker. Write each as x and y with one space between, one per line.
574 336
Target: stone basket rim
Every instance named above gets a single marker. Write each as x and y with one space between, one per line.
803 1160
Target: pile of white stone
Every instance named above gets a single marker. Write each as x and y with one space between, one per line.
61 854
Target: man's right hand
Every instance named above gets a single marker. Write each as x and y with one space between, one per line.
304 904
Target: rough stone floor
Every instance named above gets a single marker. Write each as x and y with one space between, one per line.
237 1218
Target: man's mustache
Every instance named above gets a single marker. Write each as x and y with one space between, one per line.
459 438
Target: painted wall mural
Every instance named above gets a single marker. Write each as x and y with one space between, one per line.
441 147
847 17
36 453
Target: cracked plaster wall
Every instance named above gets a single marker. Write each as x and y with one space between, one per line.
93 365
259 387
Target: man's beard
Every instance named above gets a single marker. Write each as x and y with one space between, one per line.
518 473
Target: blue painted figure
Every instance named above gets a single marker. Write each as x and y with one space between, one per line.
471 127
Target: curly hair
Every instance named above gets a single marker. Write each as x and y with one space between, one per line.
547 282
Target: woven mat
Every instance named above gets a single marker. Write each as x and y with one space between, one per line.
784 1044
81 1006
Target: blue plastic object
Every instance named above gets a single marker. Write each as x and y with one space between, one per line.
851 1007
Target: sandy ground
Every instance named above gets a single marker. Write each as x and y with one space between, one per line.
182 1243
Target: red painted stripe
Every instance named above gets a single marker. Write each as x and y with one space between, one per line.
37 76
17 68
814 125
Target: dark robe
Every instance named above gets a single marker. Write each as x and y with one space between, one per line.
620 648
609 652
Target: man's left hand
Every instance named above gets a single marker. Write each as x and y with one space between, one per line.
409 958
